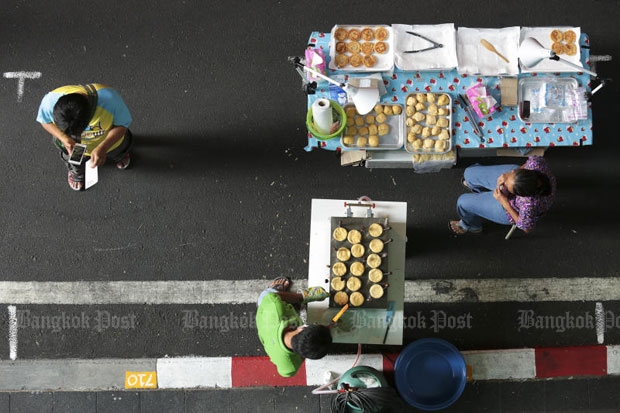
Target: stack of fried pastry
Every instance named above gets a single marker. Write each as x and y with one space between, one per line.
357 47
563 42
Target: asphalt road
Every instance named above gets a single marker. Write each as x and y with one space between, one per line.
220 186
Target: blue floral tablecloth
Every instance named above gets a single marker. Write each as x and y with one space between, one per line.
503 129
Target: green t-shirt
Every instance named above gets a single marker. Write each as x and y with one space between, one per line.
272 317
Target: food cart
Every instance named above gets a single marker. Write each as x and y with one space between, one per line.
534 103
378 318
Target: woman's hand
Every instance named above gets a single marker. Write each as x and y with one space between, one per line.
497 194
505 203
500 180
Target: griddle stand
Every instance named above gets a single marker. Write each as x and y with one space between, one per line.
360 203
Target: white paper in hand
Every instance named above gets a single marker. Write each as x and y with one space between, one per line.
91 176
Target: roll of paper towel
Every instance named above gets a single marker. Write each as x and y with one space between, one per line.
322 115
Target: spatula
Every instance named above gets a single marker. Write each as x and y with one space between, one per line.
491 48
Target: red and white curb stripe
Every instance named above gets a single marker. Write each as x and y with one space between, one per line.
242 372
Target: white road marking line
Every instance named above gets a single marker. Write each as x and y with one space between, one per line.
246 291
613 359
132 292
513 290
21 76
191 372
501 364
12 332
600 322
69 374
338 364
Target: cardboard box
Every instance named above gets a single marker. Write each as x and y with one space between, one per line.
508 89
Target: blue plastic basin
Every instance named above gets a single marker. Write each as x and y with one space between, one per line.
430 374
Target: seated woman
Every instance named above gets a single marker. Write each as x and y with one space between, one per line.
505 194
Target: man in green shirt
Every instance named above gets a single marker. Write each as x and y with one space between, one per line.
281 331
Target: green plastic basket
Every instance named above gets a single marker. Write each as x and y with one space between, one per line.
338 115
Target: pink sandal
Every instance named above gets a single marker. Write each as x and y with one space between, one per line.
73 184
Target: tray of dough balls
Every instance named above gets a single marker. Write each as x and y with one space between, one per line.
381 129
361 48
358 262
428 123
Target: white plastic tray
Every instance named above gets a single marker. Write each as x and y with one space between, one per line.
384 61
542 34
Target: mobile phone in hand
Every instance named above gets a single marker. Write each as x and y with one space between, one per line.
504 190
77 154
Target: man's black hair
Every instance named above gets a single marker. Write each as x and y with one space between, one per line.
312 342
72 114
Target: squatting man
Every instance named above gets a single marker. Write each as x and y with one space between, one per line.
287 341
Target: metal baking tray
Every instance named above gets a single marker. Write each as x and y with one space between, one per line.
545 99
362 225
409 145
393 140
384 61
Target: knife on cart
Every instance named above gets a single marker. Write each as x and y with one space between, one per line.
471 115
389 317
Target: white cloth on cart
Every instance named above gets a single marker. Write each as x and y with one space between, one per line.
474 59
441 58
542 34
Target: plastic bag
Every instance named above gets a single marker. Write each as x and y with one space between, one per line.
315 60
482 103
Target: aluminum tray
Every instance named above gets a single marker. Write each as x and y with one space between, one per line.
409 145
385 61
393 140
362 225
548 99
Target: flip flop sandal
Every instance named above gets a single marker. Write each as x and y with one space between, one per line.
457 229
72 182
124 163
464 183
281 284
